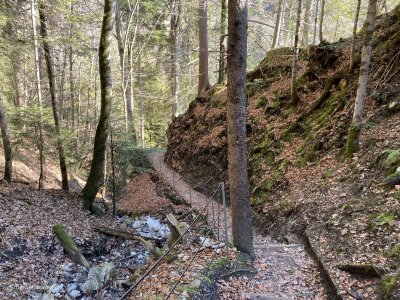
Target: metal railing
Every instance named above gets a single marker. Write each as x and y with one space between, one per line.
215 221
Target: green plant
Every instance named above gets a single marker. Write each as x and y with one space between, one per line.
387 218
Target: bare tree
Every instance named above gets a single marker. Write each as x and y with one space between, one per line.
277 22
176 7
321 21
294 94
352 143
306 23
354 38
96 174
236 118
203 48
6 144
315 21
52 89
222 49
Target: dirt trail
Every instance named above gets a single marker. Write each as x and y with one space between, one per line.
284 271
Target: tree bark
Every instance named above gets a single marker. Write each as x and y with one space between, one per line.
203 48
321 22
222 48
39 94
52 88
71 71
173 34
294 94
277 22
315 21
236 119
6 144
352 143
96 174
306 23
354 38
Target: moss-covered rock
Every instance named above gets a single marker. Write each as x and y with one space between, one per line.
389 287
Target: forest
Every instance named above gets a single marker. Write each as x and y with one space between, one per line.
209 149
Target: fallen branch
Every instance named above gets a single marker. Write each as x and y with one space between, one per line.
69 246
362 269
127 235
391 181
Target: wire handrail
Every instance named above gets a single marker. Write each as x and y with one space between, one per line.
147 273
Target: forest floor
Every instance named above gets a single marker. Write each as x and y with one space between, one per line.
283 270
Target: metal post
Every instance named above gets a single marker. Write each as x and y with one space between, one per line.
219 212
225 219
213 216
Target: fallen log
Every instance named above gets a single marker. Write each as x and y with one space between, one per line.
129 236
69 246
391 181
362 269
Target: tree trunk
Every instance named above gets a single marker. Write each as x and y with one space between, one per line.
6 144
141 103
52 88
321 22
203 48
222 49
71 72
306 23
295 95
39 93
277 22
354 38
173 34
315 21
236 119
352 143
96 175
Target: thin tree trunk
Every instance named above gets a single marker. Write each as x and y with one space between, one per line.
141 103
62 85
352 143
174 30
203 48
222 49
321 22
277 22
71 71
6 144
306 23
242 231
315 21
39 93
96 174
52 87
354 38
295 95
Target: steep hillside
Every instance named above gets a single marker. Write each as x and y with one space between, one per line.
300 180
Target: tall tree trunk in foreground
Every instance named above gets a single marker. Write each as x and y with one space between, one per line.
6 144
39 94
52 88
173 34
277 22
96 175
321 22
242 231
306 24
354 38
203 48
295 95
222 49
71 71
315 21
353 137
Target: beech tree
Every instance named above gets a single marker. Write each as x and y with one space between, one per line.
96 174
222 48
277 22
354 37
242 231
353 137
321 21
203 48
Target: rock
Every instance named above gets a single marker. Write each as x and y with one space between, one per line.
57 288
195 284
74 293
47 297
97 277
72 286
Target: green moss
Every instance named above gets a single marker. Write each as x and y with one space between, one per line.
388 285
261 102
62 235
395 252
392 162
352 143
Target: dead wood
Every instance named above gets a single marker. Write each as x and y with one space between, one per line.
69 246
391 181
127 235
362 269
